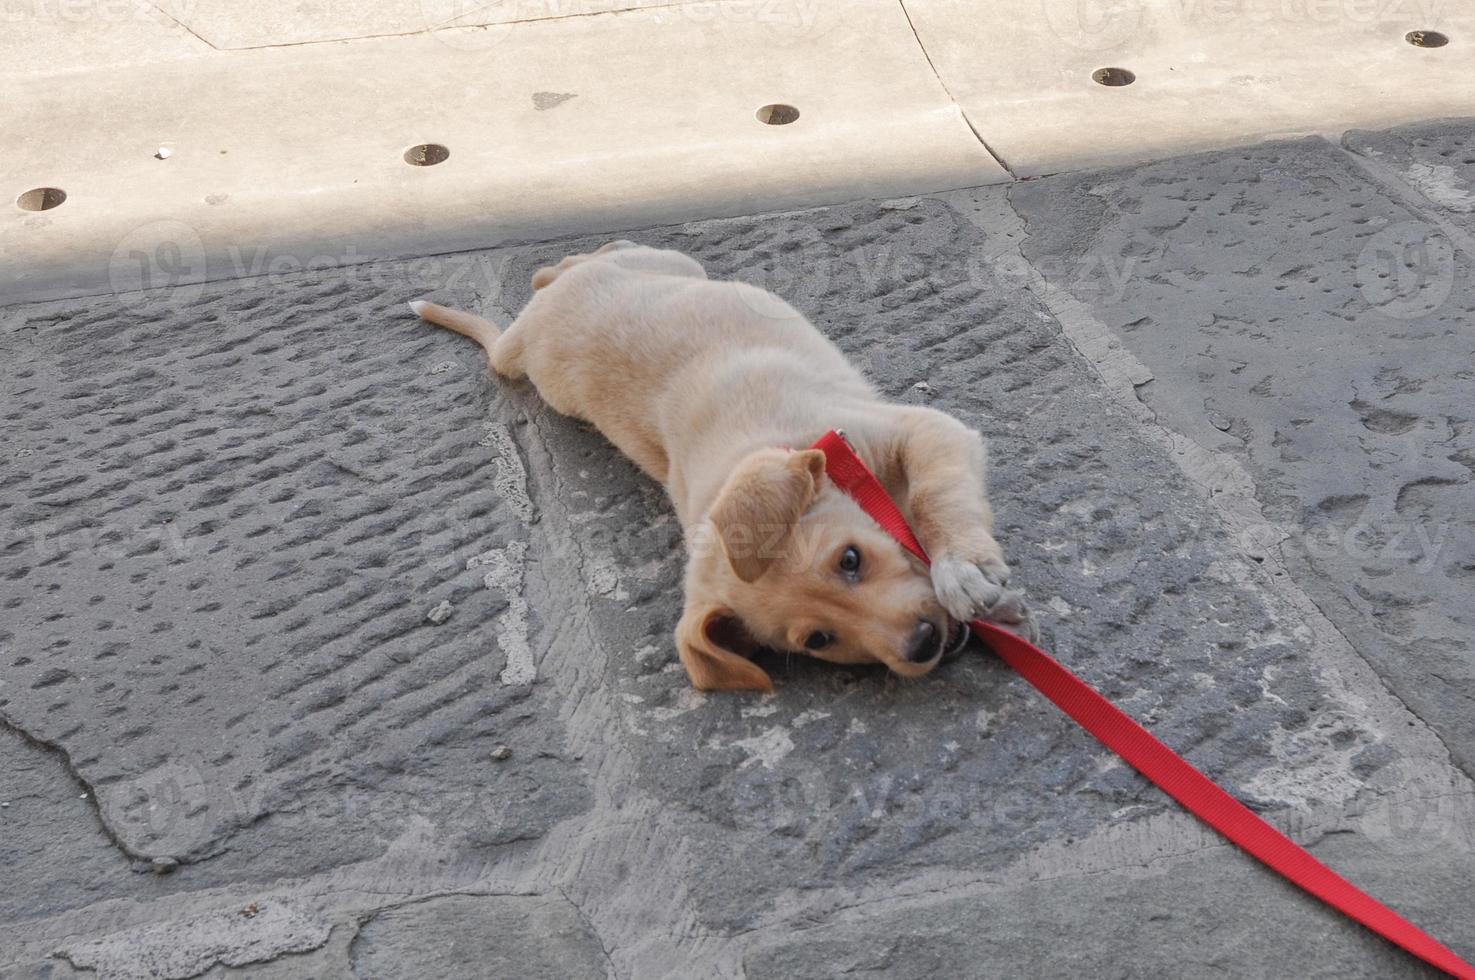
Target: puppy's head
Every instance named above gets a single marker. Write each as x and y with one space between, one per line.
787 561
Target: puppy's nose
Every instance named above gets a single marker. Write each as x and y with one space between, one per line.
925 642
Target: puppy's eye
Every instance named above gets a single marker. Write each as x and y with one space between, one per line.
818 640
850 560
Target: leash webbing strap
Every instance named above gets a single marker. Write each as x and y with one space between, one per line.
1118 732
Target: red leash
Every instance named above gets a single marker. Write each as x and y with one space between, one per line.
1118 732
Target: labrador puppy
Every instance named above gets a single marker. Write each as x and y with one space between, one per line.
714 389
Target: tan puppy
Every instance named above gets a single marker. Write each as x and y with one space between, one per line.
714 389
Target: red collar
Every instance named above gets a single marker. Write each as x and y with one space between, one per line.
849 472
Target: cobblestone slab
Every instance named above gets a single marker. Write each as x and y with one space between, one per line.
1313 325
317 640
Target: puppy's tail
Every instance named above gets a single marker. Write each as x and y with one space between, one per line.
482 331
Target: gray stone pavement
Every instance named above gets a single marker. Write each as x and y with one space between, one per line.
1231 402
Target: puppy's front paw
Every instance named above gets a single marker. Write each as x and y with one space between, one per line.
968 590
1026 625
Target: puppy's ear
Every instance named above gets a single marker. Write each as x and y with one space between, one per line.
712 645
761 502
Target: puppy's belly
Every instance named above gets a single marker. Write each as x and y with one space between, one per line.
654 362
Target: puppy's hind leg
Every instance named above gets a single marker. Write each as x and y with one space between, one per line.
501 347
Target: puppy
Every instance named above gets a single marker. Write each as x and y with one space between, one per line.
714 389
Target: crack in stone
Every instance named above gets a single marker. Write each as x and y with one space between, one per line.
963 113
589 924
58 752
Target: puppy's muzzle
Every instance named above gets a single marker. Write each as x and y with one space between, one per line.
927 642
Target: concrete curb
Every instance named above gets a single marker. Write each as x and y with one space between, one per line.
195 142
